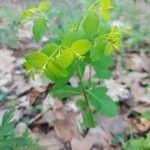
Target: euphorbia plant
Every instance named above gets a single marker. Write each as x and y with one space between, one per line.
91 42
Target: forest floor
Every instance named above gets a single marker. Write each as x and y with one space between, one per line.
55 123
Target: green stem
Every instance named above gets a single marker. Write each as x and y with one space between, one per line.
51 56
83 89
83 18
90 74
78 28
41 14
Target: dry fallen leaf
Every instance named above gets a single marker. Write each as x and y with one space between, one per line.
48 141
21 128
140 94
141 125
6 61
132 77
6 66
141 108
146 61
96 138
21 85
117 91
64 125
38 94
52 102
113 125
136 82
136 62
145 122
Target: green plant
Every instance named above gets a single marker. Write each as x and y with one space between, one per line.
90 42
138 144
8 138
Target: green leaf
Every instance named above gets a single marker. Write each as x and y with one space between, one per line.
108 49
104 73
94 97
37 59
91 24
66 57
8 138
104 28
29 68
81 67
62 81
99 48
81 47
102 102
101 67
50 75
82 104
39 28
49 49
105 62
146 114
109 108
95 53
88 119
29 13
7 118
44 6
64 92
100 42
56 68
70 38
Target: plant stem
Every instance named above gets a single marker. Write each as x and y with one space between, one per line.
83 89
83 18
80 78
44 67
90 74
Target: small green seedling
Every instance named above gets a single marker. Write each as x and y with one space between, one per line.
9 139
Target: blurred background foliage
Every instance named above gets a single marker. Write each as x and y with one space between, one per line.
9 20
133 14
136 15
